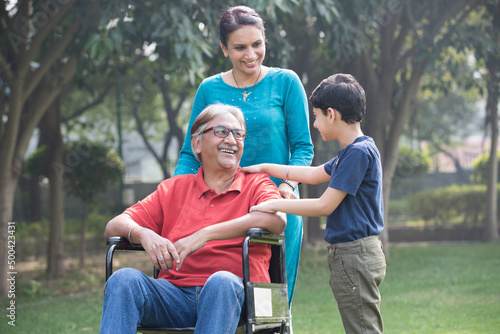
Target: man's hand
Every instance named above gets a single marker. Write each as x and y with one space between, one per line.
161 251
188 245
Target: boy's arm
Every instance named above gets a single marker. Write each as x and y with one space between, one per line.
305 174
312 207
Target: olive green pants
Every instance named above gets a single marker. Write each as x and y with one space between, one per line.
357 269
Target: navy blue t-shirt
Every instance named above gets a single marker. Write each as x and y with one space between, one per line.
357 170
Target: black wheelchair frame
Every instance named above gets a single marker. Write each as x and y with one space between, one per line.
266 308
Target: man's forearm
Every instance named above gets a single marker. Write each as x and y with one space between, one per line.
120 226
236 228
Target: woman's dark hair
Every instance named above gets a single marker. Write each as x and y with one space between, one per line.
236 17
343 93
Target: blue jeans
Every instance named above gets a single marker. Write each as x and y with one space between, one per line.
132 298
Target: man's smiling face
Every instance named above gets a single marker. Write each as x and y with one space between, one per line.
221 153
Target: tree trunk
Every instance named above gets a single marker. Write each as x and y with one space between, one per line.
491 228
50 135
7 191
493 89
83 234
55 265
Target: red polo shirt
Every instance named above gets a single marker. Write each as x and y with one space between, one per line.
184 204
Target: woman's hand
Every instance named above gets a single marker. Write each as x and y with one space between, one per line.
286 191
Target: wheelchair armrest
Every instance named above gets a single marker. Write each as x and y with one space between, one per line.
277 242
117 243
122 243
264 236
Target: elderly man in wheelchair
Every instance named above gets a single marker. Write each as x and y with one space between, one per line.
192 228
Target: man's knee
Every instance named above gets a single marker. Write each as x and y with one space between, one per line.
123 279
225 277
224 280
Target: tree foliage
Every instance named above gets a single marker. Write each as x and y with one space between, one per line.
35 165
412 162
167 49
480 165
94 169
90 168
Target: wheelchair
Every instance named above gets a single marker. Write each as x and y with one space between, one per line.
265 310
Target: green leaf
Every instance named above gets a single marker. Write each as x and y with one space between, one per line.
108 42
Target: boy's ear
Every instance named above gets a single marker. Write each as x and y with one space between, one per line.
331 114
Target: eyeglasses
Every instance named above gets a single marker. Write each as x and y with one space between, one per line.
222 132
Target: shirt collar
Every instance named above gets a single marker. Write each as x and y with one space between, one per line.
357 140
202 188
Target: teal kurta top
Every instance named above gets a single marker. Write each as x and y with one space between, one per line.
276 116
277 120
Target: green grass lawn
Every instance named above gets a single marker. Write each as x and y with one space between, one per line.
428 289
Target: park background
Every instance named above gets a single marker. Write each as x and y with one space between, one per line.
95 99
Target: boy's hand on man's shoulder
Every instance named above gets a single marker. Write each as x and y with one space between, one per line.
264 207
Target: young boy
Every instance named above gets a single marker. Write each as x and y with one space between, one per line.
352 202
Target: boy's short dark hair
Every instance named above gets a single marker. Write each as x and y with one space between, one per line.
343 93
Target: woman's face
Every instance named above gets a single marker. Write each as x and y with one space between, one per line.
246 49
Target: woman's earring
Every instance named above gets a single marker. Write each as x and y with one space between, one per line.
225 54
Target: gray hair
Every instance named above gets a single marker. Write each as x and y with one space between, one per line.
210 112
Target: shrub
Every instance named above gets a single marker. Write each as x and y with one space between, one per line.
465 204
412 162
480 166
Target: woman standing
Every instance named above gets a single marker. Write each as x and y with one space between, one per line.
275 106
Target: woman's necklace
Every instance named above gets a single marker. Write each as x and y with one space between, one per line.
244 93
